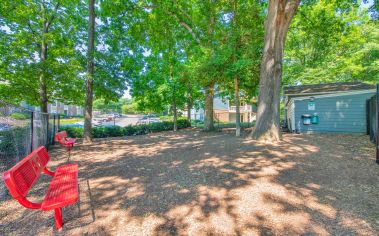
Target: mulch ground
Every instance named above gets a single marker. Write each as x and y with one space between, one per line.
196 183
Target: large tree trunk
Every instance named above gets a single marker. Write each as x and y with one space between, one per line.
43 56
208 120
90 73
237 103
42 78
236 85
280 14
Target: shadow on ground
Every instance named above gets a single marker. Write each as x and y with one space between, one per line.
195 183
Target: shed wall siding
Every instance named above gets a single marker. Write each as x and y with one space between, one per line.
342 114
290 114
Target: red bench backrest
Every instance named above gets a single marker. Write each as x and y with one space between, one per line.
21 177
61 137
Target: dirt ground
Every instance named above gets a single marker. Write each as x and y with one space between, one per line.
195 183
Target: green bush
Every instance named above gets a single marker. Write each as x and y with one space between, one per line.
141 129
74 132
183 123
20 116
107 131
116 131
161 126
129 130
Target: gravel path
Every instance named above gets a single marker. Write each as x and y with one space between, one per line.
195 183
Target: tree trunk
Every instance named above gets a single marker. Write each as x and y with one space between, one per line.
236 85
208 120
189 101
42 78
90 73
237 103
280 14
43 56
189 108
175 110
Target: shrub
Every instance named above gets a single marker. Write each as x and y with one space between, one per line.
161 126
183 123
141 129
116 131
107 131
74 132
129 130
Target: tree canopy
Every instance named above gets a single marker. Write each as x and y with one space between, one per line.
332 42
172 55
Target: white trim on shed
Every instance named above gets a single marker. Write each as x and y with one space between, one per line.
335 94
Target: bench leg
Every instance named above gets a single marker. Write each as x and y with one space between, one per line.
58 218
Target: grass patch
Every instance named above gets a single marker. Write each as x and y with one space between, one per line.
70 121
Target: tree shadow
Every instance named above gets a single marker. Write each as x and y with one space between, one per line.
198 183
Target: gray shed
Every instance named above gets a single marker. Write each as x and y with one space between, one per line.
328 108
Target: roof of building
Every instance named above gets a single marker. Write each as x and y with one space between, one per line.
326 88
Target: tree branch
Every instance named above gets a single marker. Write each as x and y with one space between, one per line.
31 29
48 23
187 27
184 24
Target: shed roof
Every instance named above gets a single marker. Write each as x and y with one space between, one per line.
326 88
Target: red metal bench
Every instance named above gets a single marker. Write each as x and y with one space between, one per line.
63 189
64 140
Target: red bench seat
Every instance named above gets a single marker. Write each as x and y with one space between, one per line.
63 189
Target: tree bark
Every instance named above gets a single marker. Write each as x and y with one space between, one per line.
280 14
175 110
189 108
189 101
90 73
43 56
208 120
237 103
209 90
236 85
42 78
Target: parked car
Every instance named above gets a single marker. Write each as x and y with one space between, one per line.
97 121
154 120
106 119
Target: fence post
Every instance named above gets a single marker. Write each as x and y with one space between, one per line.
47 132
377 123
53 129
31 131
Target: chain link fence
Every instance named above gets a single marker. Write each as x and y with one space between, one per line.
21 131
224 120
372 118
